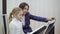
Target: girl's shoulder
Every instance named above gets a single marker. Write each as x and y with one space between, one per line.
12 22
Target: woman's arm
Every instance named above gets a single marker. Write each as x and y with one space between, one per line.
42 19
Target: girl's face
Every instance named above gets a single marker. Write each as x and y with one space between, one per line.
19 15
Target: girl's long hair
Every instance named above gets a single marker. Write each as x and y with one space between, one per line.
14 11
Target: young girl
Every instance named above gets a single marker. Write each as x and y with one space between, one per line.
15 24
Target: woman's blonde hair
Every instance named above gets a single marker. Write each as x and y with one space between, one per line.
14 11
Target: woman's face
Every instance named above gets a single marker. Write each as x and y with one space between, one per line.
20 14
25 10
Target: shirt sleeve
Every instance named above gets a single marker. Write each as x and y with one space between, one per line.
37 18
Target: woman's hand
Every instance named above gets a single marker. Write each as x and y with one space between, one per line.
50 19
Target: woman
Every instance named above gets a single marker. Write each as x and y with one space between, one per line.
15 24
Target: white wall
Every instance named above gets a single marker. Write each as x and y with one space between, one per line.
1 20
44 8
0 6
